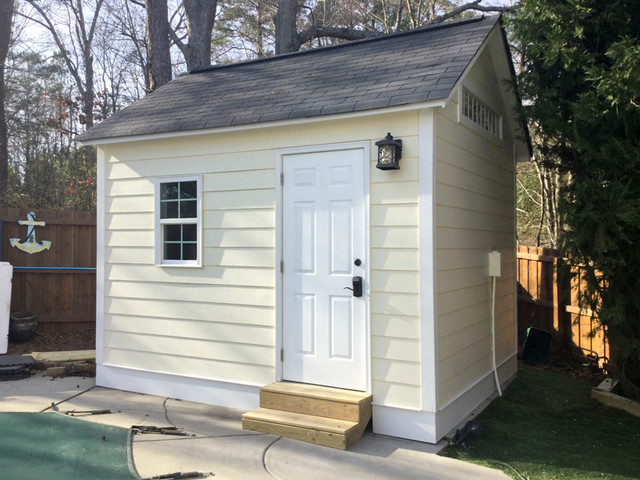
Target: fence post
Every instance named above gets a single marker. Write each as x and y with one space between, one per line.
557 324
539 269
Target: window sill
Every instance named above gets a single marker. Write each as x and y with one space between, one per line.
180 265
470 124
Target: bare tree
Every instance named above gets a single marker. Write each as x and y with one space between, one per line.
6 16
385 18
243 30
471 6
200 16
128 24
120 71
289 39
538 185
75 45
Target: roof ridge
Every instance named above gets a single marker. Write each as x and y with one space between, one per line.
384 36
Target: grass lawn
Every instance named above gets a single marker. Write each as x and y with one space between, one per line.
546 426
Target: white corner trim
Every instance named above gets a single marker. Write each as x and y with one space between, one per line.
211 392
426 196
100 243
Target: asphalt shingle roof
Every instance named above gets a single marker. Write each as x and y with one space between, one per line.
387 71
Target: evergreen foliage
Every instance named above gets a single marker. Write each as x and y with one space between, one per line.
581 86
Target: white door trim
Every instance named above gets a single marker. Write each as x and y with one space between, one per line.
279 154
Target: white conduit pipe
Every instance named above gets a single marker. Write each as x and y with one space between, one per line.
493 334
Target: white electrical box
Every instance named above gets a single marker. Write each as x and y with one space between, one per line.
495 264
6 274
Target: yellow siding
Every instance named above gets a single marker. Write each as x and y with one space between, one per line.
213 275
395 299
187 366
219 322
155 309
474 215
213 322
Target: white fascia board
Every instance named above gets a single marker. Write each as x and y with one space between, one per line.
473 61
501 62
254 126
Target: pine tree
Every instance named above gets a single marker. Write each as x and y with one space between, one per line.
581 85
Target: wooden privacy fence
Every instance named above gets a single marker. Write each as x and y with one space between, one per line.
549 304
58 284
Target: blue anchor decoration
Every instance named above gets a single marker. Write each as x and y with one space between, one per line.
30 245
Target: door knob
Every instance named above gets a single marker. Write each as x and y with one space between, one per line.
358 262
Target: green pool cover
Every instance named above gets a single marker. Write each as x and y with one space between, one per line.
51 446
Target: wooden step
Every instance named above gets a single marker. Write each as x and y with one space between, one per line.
329 432
322 415
317 400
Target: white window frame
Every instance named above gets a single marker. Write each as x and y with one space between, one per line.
497 136
160 222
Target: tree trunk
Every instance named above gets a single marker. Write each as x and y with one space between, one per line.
88 97
201 14
287 38
158 56
6 15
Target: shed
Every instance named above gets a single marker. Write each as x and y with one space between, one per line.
239 204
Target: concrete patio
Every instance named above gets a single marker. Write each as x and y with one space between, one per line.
218 446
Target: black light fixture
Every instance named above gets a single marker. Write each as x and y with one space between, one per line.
389 152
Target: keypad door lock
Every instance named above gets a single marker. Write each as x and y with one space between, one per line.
357 286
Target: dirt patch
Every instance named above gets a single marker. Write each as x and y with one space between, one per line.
56 342
575 366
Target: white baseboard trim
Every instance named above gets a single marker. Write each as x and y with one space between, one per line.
409 424
417 425
231 395
431 427
475 399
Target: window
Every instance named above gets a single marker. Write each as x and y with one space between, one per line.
178 222
480 114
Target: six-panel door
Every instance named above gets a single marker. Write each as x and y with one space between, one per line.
324 330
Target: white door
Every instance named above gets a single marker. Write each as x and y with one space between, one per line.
324 324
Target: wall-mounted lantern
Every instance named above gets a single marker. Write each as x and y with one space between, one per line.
389 153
